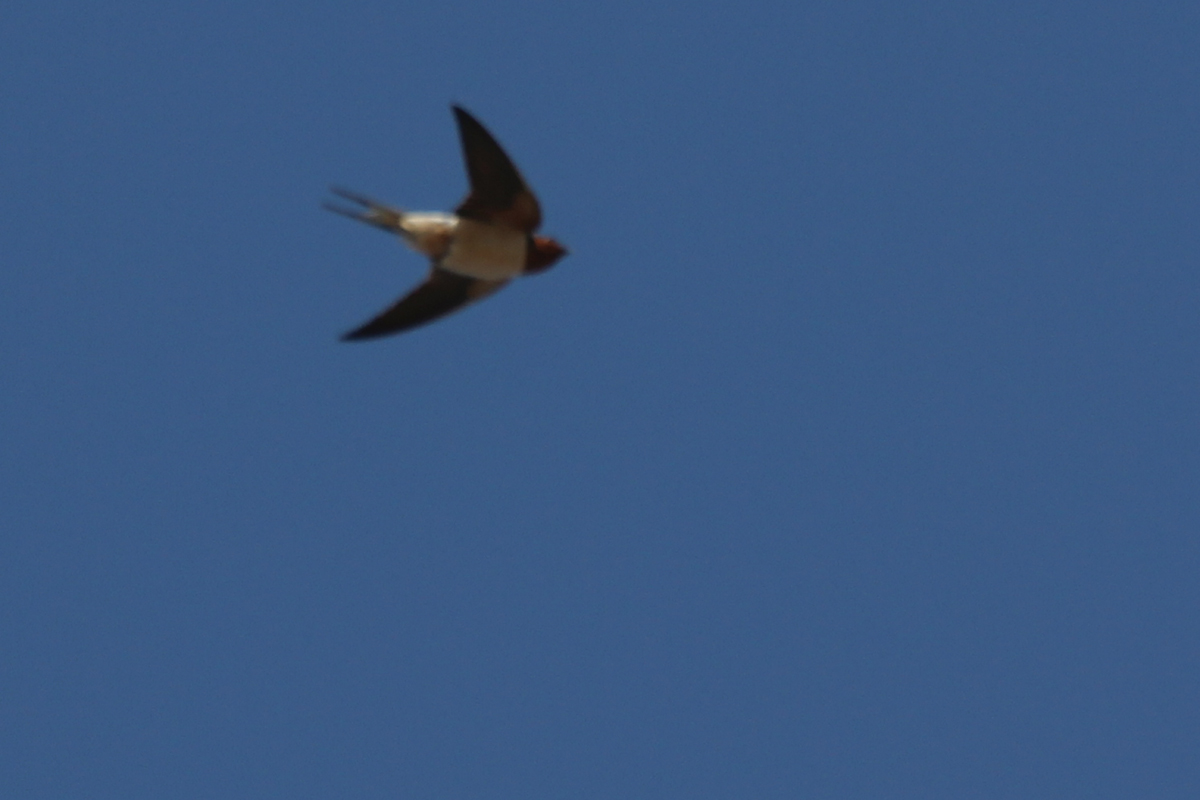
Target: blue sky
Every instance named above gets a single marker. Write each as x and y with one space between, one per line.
853 451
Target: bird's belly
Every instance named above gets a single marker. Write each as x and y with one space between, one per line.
428 232
490 252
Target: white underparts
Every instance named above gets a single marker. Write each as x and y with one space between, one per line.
466 246
428 232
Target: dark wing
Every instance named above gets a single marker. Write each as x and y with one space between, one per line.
498 193
441 293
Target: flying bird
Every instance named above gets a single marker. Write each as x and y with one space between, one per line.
485 243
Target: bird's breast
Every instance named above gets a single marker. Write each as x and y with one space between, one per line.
481 250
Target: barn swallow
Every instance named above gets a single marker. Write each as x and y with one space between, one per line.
485 243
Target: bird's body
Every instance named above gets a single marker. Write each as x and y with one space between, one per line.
489 252
428 232
487 242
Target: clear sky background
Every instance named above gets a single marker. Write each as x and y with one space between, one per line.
852 453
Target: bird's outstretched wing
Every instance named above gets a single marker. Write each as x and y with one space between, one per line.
498 192
441 293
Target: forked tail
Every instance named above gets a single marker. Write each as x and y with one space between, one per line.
371 212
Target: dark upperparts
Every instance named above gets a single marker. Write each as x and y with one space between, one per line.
441 293
498 192
543 253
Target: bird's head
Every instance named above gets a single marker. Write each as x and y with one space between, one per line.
543 252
